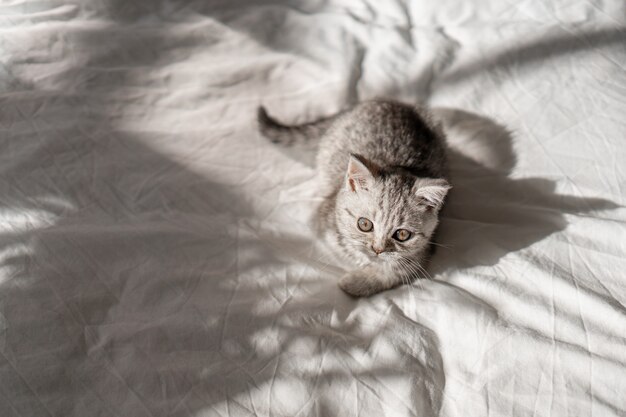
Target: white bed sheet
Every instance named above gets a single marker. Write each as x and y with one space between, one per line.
155 258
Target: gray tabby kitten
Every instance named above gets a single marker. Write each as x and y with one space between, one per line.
382 173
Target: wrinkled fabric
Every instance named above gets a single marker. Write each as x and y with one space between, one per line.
155 253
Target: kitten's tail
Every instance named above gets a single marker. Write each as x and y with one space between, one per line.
291 135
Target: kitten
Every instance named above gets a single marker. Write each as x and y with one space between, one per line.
382 173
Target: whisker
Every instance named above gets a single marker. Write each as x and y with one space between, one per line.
424 271
441 245
412 272
419 267
403 278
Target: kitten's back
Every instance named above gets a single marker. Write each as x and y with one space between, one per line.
389 134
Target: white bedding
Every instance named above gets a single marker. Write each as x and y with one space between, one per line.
155 257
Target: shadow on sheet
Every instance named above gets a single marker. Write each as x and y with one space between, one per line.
137 288
136 285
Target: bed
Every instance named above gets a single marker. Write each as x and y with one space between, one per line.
156 257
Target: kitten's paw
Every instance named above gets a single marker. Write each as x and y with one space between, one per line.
359 285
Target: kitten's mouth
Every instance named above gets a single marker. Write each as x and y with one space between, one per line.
382 257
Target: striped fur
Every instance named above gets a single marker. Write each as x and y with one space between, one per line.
384 161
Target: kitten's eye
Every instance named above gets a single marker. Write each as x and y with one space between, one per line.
364 225
402 235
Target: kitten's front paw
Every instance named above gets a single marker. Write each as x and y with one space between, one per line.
358 285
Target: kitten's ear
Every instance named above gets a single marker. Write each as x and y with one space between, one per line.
431 191
358 175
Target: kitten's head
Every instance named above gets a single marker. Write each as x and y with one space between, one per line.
387 217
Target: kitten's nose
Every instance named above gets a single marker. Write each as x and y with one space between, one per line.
378 251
